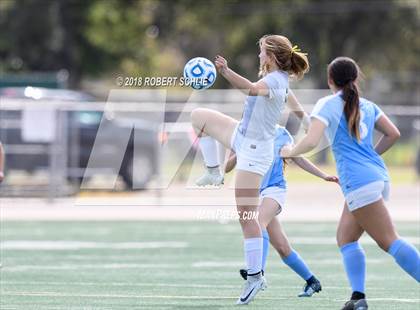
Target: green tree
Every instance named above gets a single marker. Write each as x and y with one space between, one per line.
156 37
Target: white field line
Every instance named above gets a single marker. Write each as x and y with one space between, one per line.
117 284
148 284
56 294
314 258
89 267
218 264
332 241
43 307
200 264
39 232
78 245
88 258
211 264
407 300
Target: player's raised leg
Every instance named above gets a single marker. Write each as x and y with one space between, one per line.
212 126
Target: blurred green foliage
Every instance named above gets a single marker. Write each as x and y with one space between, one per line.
156 37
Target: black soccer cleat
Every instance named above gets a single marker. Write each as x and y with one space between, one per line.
314 286
360 304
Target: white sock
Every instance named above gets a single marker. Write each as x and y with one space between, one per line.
253 248
210 150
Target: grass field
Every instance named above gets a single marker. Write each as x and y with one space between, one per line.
178 265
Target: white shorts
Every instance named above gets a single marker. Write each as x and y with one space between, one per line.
276 193
367 194
252 155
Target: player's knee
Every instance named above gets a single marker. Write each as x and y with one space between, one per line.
249 227
284 250
342 239
384 243
197 116
263 223
339 239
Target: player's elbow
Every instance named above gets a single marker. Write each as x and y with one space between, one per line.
311 143
395 134
299 114
256 89
253 89
314 137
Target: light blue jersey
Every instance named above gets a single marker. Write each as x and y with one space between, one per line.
357 163
274 176
261 113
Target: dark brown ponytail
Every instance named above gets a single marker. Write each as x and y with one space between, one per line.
343 71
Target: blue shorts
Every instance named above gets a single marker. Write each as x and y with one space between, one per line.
367 194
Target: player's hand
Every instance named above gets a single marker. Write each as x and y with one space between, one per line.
332 178
221 64
1 176
286 151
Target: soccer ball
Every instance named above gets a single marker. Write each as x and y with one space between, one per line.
200 73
